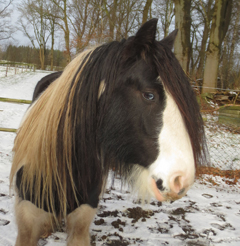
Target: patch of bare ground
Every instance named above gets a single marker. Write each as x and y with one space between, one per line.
234 175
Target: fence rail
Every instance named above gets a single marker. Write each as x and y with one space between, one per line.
2 129
16 66
13 100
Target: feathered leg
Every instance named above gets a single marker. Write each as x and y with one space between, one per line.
78 223
32 223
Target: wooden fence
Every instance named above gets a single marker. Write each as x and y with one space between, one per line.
17 66
12 100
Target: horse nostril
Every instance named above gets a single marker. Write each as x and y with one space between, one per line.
181 191
159 184
177 181
177 184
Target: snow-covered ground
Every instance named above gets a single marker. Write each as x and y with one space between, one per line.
208 215
223 144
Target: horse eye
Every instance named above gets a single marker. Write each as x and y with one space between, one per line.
148 96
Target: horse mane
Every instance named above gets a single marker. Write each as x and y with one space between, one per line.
58 137
44 141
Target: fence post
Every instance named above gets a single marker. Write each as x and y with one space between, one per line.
6 70
236 98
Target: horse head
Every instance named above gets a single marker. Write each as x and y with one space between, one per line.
152 124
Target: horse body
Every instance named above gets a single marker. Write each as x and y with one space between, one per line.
124 105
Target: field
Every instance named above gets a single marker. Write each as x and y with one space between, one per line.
208 215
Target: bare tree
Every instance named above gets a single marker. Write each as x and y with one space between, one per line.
146 10
85 18
129 18
220 22
123 16
61 15
6 29
182 46
164 10
233 41
50 13
52 22
33 16
229 61
110 8
205 9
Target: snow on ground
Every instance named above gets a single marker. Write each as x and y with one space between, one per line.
21 85
223 144
208 215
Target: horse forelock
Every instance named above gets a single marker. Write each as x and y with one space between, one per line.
177 84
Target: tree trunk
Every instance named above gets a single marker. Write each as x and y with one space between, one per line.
66 32
232 48
52 46
111 15
202 54
220 23
41 38
146 10
42 57
168 17
112 20
182 45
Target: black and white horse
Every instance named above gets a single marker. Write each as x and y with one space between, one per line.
125 105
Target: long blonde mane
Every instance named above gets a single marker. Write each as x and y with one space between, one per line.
35 145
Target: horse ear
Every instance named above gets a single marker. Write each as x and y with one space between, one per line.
169 40
144 38
147 32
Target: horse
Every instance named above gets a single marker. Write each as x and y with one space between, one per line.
124 105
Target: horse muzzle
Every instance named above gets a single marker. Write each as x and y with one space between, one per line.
178 187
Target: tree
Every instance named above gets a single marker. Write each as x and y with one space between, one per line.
61 18
85 18
50 12
110 10
33 15
30 55
220 22
6 30
182 46
164 11
123 16
233 41
167 16
128 18
146 9
205 10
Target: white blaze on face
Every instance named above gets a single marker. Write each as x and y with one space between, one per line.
175 158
